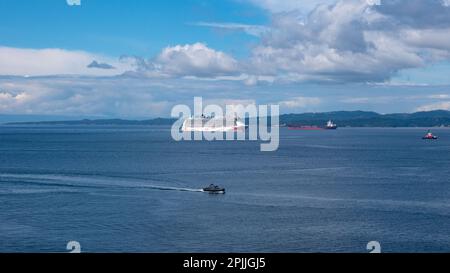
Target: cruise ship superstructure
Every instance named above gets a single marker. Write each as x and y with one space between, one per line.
212 124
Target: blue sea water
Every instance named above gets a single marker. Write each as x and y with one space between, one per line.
134 189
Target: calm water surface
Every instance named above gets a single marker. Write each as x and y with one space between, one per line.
133 189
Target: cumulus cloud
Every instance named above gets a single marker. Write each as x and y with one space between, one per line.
81 96
178 61
195 60
353 40
123 97
337 41
418 14
8 100
347 41
189 61
43 62
19 96
445 105
254 30
127 97
300 102
439 96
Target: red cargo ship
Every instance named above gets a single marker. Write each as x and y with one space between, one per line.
305 128
330 126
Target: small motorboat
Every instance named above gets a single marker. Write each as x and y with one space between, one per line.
430 136
214 189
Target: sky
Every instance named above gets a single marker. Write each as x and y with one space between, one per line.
139 58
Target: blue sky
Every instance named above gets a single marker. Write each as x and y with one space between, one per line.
117 27
136 59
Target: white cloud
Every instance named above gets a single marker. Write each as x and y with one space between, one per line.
10 99
276 6
229 102
52 61
439 96
127 97
178 61
428 38
346 41
356 100
353 41
379 99
88 96
300 102
195 60
445 105
254 30
123 97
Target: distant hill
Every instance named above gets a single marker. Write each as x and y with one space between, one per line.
370 119
342 118
157 121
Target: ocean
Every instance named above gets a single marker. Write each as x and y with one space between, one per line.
134 189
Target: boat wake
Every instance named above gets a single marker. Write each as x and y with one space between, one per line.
173 189
80 182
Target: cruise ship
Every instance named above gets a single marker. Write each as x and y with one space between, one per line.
211 124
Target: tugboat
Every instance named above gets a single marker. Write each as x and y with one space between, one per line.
331 125
430 136
214 189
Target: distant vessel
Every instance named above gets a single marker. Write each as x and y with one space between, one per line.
211 124
214 189
331 125
294 127
430 136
